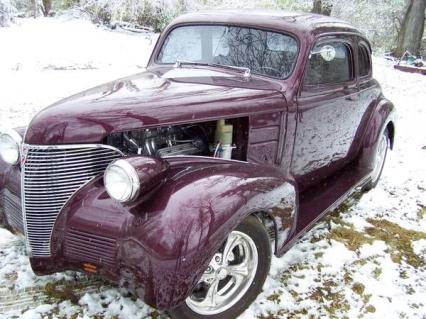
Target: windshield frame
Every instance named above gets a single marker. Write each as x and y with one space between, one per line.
164 37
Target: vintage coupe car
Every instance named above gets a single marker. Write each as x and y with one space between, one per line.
245 129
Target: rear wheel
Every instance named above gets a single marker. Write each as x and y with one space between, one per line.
234 277
379 160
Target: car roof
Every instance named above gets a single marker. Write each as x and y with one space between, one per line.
296 22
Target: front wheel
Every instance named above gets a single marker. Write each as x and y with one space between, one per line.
234 277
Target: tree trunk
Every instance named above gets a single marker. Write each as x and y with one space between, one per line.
47 6
321 8
317 7
411 32
34 4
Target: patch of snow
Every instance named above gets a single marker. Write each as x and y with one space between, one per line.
378 247
336 257
37 312
6 236
419 247
49 59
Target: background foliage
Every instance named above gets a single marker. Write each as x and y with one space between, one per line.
380 20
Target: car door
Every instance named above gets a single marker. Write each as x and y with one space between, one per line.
327 116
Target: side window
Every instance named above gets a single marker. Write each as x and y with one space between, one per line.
329 63
363 60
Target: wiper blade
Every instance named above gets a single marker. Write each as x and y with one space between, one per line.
246 71
179 63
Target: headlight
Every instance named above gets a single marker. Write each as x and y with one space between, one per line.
10 142
121 181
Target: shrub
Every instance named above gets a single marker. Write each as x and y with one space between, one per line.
7 12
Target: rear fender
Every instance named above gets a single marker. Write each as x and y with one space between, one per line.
383 117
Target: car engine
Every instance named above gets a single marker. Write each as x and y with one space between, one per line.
191 139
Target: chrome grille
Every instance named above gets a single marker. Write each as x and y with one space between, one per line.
51 175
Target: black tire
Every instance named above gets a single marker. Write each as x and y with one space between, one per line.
373 182
257 232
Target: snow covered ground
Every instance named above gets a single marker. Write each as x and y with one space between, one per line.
366 260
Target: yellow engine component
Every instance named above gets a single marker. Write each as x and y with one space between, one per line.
223 133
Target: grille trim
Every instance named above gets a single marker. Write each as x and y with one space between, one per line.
89 247
51 174
12 209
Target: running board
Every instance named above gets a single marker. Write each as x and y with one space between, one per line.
320 199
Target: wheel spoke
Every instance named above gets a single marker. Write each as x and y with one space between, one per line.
207 277
231 242
210 300
239 270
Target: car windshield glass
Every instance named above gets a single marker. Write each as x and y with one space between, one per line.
263 52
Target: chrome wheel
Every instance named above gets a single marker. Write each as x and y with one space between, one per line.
228 276
380 157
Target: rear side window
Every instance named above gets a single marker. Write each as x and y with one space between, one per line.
329 63
363 60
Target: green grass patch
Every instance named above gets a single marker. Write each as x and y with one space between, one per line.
333 299
370 308
275 297
53 291
377 272
347 278
154 314
318 254
398 239
351 238
358 288
422 213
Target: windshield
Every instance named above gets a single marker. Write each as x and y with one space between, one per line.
263 52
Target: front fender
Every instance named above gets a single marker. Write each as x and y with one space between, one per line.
189 219
166 240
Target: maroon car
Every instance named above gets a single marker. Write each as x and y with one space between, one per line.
245 129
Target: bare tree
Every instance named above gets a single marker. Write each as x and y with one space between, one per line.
321 8
34 8
47 6
412 28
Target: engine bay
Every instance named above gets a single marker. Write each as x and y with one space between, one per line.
223 138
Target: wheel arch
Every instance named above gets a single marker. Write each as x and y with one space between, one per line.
383 118
271 226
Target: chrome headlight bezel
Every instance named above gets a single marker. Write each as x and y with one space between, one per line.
121 173
14 140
